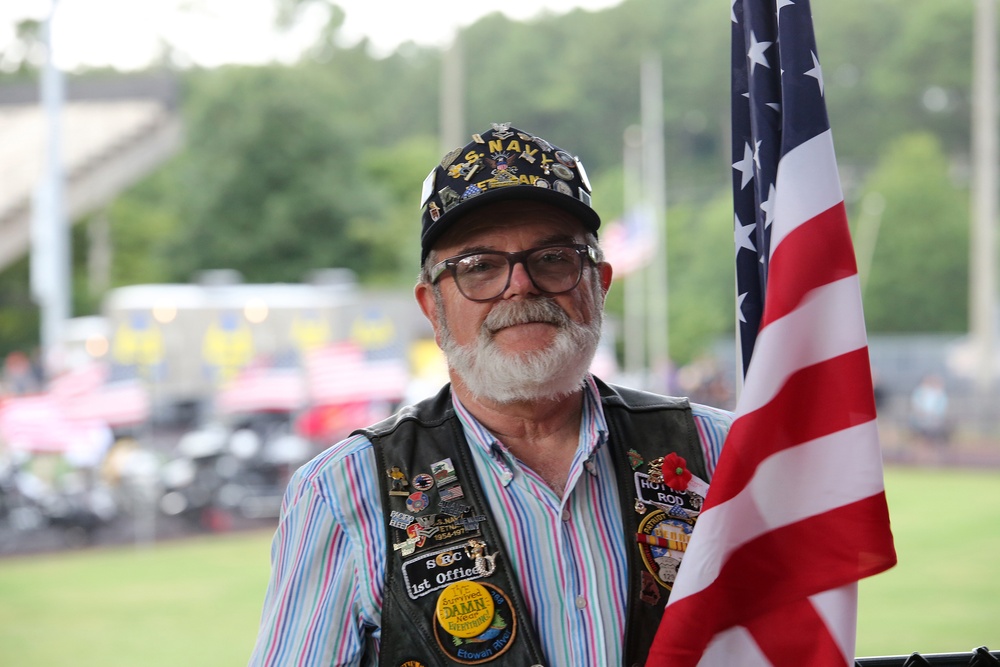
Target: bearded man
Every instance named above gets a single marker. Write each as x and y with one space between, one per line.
538 502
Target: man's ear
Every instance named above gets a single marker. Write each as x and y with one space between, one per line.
424 294
605 270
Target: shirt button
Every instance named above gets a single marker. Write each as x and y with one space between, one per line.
581 602
565 515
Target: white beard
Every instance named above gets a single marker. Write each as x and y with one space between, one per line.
550 373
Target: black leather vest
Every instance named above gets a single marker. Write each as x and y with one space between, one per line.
436 537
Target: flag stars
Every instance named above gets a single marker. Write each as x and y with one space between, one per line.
768 207
756 154
745 166
756 52
742 235
782 4
816 72
739 307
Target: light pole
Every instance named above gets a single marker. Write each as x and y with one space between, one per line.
983 260
50 255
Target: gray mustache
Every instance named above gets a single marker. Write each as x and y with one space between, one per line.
509 313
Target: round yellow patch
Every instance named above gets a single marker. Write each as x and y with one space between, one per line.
465 609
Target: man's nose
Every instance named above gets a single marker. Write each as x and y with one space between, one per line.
520 282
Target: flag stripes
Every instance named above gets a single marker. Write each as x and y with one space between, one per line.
810 255
823 541
807 184
811 645
813 419
821 328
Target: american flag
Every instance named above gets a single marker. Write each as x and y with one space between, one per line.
81 380
120 403
97 391
629 244
268 384
796 513
35 423
77 403
341 373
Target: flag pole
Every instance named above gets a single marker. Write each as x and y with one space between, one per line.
654 181
452 100
634 284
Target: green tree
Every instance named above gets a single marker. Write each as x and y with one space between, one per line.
292 168
919 273
398 171
701 274
19 316
885 64
142 219
270 180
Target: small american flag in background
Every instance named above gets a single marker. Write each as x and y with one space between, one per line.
341 373
796 513
268 384
629 244
79 403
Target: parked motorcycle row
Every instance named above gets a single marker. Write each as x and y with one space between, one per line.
213 478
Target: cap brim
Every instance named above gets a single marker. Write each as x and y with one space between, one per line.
585 214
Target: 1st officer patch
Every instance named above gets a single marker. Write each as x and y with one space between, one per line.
436 569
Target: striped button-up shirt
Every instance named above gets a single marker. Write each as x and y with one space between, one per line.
324 599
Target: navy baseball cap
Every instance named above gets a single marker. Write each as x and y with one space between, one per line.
500 164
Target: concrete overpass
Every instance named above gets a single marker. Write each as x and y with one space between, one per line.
115 131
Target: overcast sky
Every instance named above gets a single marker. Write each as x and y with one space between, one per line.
129 34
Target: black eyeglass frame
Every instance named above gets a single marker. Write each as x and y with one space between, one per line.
513 259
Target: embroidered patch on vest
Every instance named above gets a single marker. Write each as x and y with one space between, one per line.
660 495
650 592
492 642
664 533
663 539
436 569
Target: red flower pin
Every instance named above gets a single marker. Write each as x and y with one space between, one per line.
675 472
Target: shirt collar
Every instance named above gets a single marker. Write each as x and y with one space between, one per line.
593 434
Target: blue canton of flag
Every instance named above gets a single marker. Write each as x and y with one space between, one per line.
773 84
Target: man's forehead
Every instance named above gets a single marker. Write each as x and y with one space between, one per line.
489 225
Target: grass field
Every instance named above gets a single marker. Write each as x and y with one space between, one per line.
944 595
196 602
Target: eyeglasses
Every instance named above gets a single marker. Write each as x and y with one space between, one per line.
485 275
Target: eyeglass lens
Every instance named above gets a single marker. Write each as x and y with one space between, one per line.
486 275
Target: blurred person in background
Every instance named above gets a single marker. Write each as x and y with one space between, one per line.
529 513
20 376
929 418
